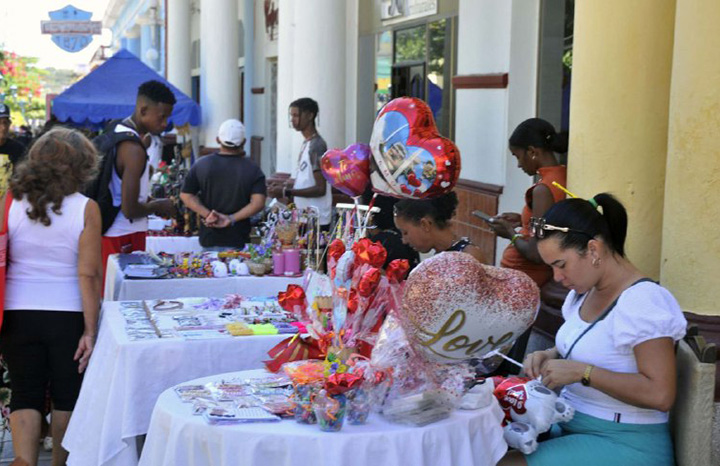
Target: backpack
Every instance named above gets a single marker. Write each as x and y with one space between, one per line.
99 189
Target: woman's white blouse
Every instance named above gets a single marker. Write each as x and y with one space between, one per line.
643 312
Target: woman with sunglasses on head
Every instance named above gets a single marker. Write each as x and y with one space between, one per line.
534 144
614 356
425 225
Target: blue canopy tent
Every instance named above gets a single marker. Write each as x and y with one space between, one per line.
109 93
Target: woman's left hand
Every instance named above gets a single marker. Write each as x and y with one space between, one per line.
84 350
560 372
501 227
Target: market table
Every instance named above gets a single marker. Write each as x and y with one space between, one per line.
120 288
125 378
172 244
178 438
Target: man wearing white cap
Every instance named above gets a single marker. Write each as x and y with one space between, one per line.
225 189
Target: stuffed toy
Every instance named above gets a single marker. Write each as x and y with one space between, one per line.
530 410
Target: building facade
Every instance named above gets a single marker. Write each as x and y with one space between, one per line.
643 108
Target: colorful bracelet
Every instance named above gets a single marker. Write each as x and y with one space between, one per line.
515 238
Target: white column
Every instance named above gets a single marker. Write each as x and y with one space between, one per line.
312 39
219 53
178 44
133 41
285 92
502 39
145 40
249 24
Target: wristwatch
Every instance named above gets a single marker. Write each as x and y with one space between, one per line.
586 376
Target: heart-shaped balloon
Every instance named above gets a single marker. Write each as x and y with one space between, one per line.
457 308
410 158
348 170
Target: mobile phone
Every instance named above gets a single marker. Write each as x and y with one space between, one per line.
482 215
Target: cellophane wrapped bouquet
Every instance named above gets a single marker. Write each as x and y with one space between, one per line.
342 312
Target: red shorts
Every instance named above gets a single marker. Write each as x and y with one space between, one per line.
121 244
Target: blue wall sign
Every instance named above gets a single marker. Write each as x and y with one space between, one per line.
71 28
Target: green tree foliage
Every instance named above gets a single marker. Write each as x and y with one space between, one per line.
21 86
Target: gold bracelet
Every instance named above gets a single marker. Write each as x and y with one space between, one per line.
586 376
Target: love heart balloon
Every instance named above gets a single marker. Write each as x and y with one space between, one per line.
410 158
457 308
348 170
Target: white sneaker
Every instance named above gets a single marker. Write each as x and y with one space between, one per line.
47 444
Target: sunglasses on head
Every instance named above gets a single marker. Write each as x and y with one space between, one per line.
538 227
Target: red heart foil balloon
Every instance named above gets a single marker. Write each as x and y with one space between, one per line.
410 158
458 308
348 170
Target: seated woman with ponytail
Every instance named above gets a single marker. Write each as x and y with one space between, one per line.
614 356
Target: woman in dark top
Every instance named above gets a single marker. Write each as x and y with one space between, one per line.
425 225
383 230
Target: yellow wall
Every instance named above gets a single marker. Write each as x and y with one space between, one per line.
691 231
622 58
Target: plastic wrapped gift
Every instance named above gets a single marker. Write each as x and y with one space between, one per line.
330 411
358 407
302 398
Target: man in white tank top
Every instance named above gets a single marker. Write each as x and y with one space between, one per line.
130 182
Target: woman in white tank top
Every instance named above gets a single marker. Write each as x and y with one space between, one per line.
52 294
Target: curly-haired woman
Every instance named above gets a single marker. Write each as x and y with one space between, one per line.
52 294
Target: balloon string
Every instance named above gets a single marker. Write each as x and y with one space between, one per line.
497 352
358 216
367 215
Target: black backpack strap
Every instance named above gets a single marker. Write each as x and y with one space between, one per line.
99 189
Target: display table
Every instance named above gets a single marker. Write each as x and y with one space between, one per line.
158 223
119 288
177 438
125 378
172 244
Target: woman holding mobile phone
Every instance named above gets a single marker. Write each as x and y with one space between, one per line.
534 144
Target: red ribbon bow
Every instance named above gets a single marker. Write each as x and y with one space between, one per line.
293 297
340 383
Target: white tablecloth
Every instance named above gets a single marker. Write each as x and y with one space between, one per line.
158 223
118 288
177 438
173 244
125 378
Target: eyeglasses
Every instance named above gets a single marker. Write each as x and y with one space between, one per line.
538 227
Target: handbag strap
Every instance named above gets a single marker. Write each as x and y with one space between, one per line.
603 315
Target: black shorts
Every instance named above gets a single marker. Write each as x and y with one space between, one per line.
38 347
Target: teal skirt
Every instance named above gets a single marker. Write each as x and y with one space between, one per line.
589 441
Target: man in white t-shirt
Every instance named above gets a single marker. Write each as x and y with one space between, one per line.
310 189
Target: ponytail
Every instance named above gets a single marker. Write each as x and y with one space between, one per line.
539 133
602 216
